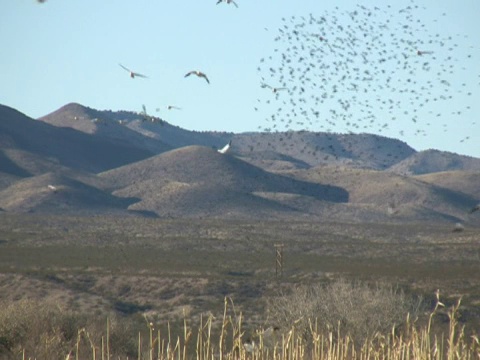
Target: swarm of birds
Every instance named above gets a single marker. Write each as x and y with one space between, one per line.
366 69
362 70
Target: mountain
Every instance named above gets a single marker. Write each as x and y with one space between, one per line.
59 194
141 129
199 181
291 148
106 124
120 162
430 161
313 148
467 182
400 197
22 139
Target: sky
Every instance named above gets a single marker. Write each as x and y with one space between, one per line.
58 52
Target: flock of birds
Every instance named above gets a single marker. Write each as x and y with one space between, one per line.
367 69
145 116
134 74
363 70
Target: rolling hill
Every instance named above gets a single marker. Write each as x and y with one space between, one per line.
66 146
399 197
430 161
122 162
142 130
59 194
197 180
105 124
467 182
313 148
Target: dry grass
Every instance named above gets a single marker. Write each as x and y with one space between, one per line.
222 338
355 309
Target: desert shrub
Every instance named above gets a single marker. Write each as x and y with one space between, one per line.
353 309
36 328
47 331
122 337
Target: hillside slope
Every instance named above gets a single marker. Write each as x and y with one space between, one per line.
197 180
67 146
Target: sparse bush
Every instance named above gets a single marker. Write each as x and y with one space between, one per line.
353 309
49 332
36 328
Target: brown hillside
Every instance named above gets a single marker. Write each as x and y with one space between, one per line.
54 193
431 161
393 194
24 163
467 182
103 123
133 127
7 179
69 147
358 150
199 180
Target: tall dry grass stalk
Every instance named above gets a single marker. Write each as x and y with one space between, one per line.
227 342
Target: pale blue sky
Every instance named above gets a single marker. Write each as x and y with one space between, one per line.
68 51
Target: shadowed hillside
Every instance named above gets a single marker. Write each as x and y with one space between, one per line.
357 150
106 124
67 146
297 147
431 161
140 129
289 175
467 182
199 180
54 193
398 196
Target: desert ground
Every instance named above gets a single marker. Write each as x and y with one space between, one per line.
172 268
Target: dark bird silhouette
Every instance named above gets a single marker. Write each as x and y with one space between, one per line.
133 74
170 107
420 52
199 74
475 208
274 89
228 2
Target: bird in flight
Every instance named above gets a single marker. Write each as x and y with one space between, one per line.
170 107
133 74
198 73
420 52
475 208
274 89
225 149
228 2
